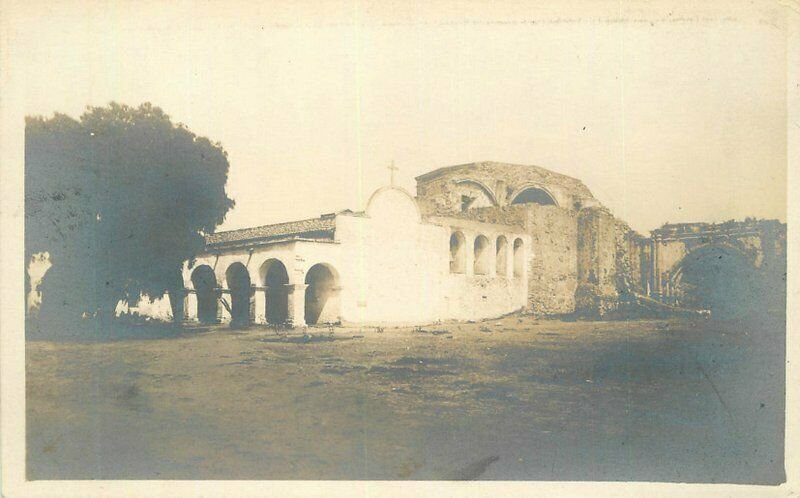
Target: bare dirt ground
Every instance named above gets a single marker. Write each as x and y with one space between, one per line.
514 398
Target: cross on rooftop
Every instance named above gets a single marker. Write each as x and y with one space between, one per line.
392 168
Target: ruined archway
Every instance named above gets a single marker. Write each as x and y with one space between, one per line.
205 286
534 195
474 194
718 278
274 277
322 295
238 280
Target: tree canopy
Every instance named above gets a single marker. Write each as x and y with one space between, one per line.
119 198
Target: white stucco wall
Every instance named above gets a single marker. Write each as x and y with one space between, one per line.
395 263
391 267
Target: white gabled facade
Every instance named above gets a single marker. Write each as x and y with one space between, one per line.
384 265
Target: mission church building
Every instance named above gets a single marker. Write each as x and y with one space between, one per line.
478 241
460 250
390 263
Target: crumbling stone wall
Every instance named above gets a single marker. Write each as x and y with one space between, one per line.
582 258
552 261
623 269
440 192
597 293
553 266
630 250
509 215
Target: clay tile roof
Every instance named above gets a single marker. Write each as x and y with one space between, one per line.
322 227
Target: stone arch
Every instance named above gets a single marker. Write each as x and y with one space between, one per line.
716 276
468 202
482 255
205 285
275 279
322 303
237 279
519 258
533 194
726 246
501 256
458 253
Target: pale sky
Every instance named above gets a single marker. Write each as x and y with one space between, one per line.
666 115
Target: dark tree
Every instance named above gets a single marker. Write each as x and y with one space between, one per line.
119 199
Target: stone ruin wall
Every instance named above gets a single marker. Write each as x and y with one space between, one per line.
583 259
552 266
441 195
632 250
438 197
610 263
597 255
553 269
586 262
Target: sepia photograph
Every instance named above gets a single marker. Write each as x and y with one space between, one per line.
371 241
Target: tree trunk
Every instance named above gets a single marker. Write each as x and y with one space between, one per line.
176 304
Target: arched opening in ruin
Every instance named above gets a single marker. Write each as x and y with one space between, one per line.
717 278
275 278
481 264
501 257
534 195
475 194
205 286
519 258
238 280
322 295
458 253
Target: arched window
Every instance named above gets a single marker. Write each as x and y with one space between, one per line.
481 266
519 258
458 253
533 195
501 259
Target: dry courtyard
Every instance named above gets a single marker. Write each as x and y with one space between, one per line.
514 398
